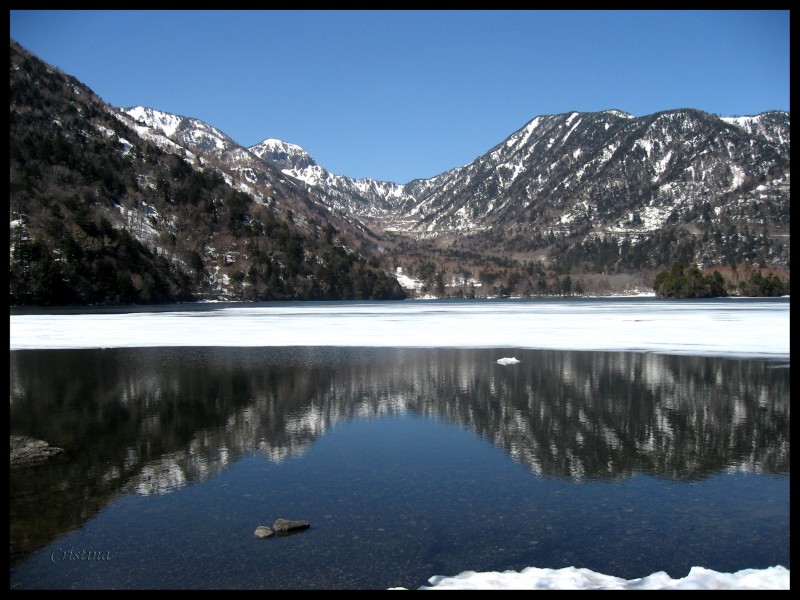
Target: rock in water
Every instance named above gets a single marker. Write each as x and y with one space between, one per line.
28 450
262 531
286 526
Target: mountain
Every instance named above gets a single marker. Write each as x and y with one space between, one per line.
362 198
604 194
595 202
107 210
582 176
244 168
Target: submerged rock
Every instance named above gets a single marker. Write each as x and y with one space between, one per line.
27 450
281 527
286 526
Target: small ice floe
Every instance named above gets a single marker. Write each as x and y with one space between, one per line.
507 361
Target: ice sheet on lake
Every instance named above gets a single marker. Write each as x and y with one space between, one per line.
725 327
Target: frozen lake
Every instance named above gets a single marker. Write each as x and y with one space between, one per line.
632 443
723 326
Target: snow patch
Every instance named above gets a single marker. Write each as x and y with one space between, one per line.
407 282
572 578
168 124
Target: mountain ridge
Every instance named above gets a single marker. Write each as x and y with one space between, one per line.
604 199
407 199
641 171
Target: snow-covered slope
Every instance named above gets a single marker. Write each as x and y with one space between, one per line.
568 174
609 169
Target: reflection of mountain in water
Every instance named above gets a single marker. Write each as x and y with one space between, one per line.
589 414
152 420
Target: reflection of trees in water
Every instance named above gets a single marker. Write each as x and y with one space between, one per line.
151 420
609 414
560 412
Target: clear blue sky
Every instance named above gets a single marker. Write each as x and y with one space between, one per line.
399 95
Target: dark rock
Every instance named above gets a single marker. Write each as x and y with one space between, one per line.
286 526
27 450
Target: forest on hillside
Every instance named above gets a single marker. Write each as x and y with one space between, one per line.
101 216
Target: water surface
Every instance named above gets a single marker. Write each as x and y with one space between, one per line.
408 462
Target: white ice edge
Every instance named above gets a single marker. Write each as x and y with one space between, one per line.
724 328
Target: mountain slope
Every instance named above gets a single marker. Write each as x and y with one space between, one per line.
683 182
105 210
561 169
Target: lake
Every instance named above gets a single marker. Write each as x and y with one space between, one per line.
632 436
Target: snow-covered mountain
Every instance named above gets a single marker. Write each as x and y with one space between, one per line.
582 175
363 198
559 173
143 207
202 143
563 170
269 171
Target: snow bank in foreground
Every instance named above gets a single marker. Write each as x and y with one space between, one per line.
570 578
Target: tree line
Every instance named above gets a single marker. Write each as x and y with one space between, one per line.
681 281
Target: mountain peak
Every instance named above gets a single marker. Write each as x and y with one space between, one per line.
183 130
619 113
282 154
